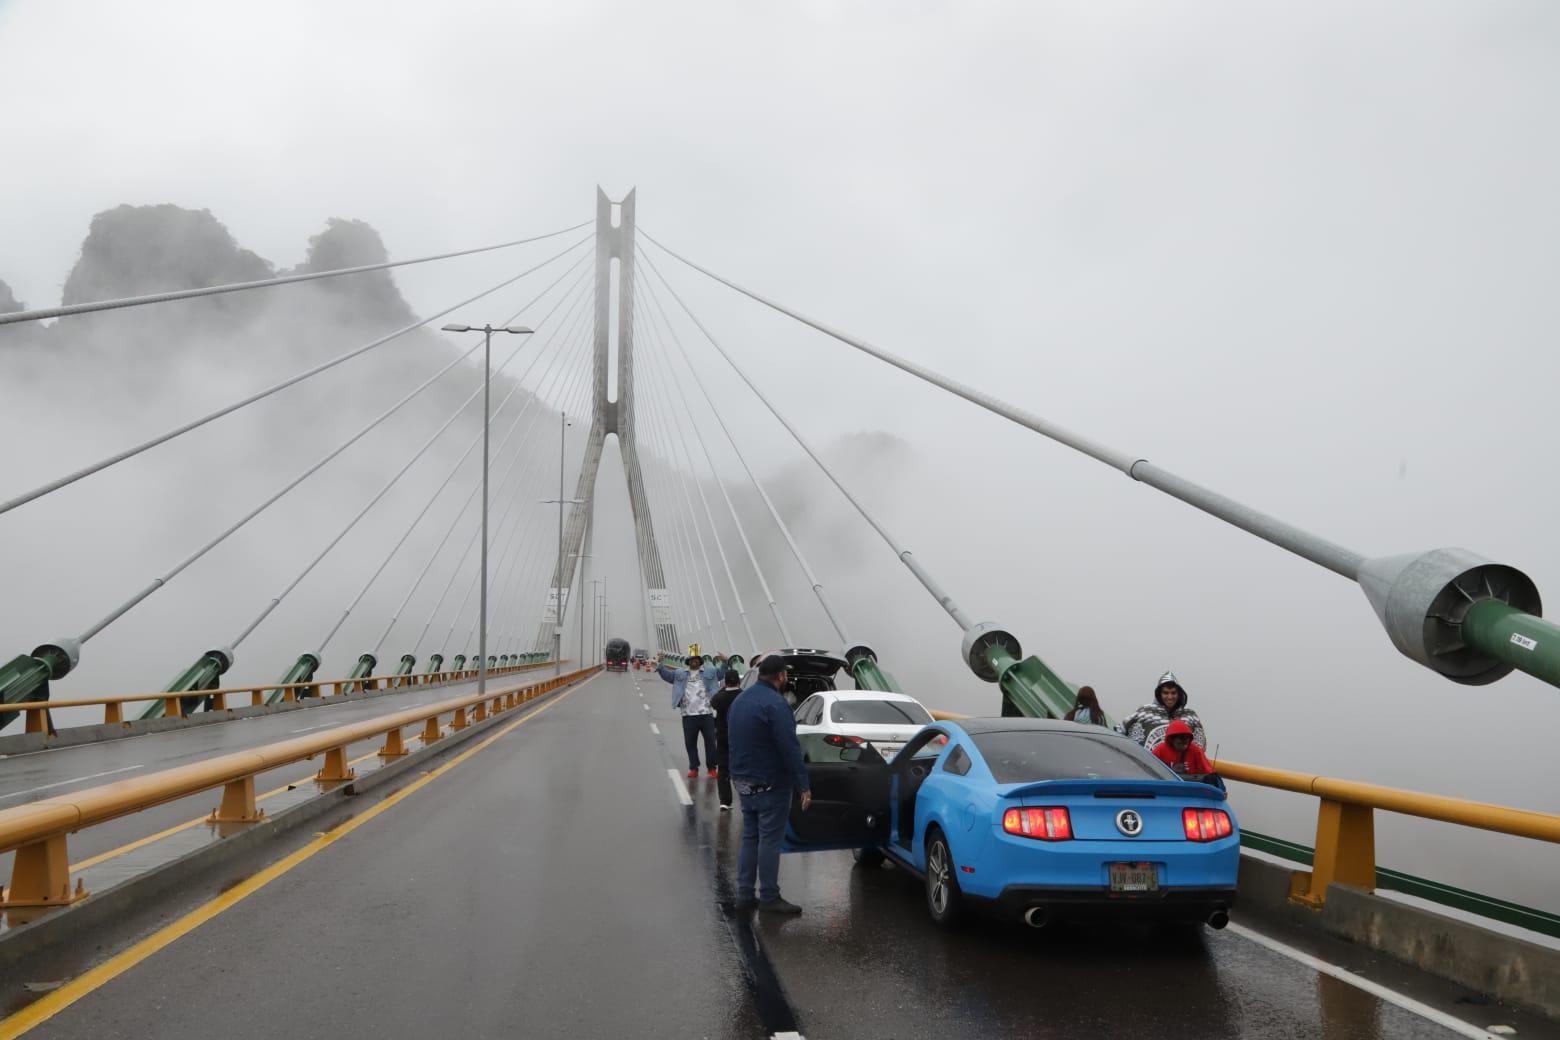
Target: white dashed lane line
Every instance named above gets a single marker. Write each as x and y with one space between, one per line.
655 729
680 787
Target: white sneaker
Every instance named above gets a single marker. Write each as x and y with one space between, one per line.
725 808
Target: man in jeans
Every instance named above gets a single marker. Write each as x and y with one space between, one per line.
692 689
766 766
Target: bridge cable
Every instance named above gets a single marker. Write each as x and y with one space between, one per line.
385 490
470 498
715 472
14 317
527 474
228 409
682 437
454 573
435 497
817 586
905 557
513 556
674 512
159 582
1325 553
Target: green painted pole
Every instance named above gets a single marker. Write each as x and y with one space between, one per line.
435 663
459 664
204 674
26 676
302 671
1525 642
869 675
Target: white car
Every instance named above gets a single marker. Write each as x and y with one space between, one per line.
884 720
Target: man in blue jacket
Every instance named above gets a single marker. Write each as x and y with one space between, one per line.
693 688
766 766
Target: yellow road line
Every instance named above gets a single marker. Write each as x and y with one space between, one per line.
51 1004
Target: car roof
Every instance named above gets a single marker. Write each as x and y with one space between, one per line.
866 695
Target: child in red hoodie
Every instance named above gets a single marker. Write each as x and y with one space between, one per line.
1179 753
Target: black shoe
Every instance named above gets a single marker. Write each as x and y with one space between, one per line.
778 906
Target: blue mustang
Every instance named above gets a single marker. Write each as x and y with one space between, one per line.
1031 819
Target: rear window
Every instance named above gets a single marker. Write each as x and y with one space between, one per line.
880 713
1024 756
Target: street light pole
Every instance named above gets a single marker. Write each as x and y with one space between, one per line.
563 430
487 416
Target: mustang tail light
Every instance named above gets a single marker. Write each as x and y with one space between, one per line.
1206 824
1051 824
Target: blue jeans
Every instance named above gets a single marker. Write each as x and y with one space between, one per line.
763 826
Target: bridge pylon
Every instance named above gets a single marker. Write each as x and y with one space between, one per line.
616 417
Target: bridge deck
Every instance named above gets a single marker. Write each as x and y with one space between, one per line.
552 884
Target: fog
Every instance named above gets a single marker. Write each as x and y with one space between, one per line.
1302 255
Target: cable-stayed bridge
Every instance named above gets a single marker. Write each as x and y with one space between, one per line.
461 828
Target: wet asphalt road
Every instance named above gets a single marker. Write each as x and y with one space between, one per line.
553 885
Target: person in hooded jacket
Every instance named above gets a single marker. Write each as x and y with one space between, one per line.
1147 725
1179 753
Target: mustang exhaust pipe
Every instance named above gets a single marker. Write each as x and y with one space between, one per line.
1039 917
1218 919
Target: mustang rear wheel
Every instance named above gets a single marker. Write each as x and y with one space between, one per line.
943 900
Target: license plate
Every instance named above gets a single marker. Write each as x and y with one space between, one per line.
1133 877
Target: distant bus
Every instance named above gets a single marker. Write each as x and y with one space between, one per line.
617 655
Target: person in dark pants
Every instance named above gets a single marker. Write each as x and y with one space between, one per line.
766 766
722 704
692 689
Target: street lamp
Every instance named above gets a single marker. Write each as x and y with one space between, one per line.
487 416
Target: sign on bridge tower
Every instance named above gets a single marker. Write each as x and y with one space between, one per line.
613 417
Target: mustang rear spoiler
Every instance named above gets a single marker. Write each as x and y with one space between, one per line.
1114 789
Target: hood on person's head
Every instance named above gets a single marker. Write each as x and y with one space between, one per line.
1178 728
1169 679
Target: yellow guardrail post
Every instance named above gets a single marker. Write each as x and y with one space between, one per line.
1345 852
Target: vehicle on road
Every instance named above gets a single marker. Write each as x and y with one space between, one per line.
616 655
640 658
1032 820
885 720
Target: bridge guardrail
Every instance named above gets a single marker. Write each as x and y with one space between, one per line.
40 873
1345 849
113 706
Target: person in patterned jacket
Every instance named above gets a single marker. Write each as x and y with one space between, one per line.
1147 725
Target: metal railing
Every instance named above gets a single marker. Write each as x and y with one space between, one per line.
40 873
173 702
1345 850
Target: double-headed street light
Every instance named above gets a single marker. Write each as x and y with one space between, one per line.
487 416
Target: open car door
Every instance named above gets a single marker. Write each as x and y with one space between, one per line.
849 810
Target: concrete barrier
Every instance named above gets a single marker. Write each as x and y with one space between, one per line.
1499 966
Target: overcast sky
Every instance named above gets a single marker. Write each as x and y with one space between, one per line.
1305 253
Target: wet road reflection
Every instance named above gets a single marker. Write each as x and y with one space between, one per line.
865 960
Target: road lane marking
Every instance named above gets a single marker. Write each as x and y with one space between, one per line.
645 706
1375 989
67 783
308 728
677 783
655 729
51 1004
